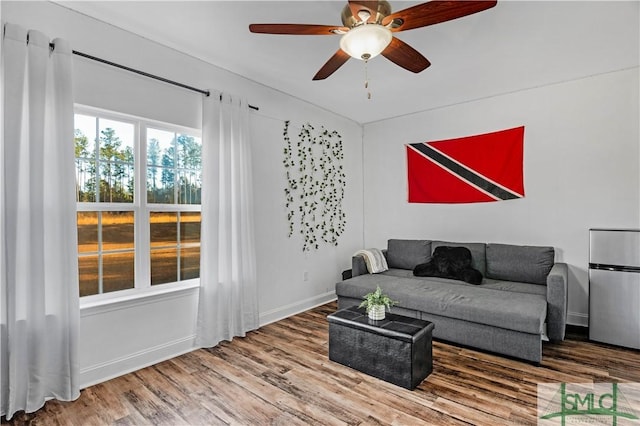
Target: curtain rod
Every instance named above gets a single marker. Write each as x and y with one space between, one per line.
146 74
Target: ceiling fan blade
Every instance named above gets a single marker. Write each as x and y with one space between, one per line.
297 29
406 56
434 12
370 6
335 62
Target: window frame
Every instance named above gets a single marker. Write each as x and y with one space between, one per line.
140 207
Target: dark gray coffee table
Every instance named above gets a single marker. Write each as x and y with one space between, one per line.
396 349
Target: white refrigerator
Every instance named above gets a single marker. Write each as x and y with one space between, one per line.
614 286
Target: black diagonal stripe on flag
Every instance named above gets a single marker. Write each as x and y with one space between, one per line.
464 173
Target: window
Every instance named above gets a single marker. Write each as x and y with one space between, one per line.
138 221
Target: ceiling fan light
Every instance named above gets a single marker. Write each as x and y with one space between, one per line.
366 41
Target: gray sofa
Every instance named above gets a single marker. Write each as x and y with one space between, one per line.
523 293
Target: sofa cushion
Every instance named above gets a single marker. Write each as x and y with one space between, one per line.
477 253
406 254
527 264
489 283
514 286
450 262
454 299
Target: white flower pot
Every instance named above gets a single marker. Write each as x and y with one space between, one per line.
376 312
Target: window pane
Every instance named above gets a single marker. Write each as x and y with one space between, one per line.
160 166
117 271
165 246
174 167
160 185
89 278
189 150
87 125
164 232
189 263
164 266
117 230
116 185
160 147
85 151
116 170
189 227
99 235
87 232
189 186
189 164
85 181
164 229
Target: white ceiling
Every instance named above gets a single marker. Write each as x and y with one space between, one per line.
515 45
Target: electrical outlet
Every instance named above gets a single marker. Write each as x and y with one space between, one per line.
305 276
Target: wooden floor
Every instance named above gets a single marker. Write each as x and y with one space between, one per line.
280 375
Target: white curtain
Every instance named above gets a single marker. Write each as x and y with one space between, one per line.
228 304
39 272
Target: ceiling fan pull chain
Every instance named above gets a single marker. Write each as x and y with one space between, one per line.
366 79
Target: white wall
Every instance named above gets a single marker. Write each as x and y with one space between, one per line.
122 337
581 170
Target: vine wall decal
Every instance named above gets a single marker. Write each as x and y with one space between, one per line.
315 185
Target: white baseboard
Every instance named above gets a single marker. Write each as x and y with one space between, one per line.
296 308
577 318
99 373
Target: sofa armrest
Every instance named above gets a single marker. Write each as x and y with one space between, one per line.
358 266
557 301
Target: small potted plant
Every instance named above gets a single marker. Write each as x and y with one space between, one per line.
376 302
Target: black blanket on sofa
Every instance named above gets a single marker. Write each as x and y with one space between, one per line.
450 262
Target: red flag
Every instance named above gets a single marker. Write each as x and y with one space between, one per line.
471 169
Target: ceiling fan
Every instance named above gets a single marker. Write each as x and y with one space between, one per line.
367 28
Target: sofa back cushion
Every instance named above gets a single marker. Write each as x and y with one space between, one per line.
406 254
477 253
527 264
